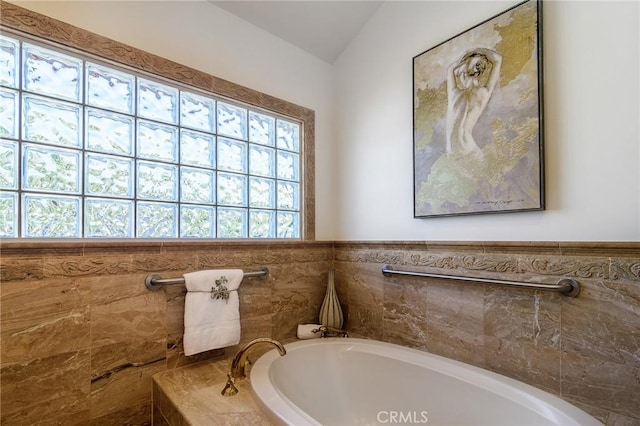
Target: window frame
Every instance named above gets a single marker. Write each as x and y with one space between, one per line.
26 23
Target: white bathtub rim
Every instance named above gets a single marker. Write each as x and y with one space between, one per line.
282 410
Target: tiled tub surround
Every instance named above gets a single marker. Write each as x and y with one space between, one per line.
81 335
586 350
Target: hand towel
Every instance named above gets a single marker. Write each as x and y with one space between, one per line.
306 331
211 323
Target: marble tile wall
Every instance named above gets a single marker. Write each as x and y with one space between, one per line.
585 349
81 336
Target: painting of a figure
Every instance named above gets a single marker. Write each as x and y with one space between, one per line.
478 117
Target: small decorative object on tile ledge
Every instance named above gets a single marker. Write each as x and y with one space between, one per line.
331 312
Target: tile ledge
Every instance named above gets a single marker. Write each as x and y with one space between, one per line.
590 248
187 387
79 246
15 246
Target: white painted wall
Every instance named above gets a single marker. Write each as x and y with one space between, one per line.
205 37
591 67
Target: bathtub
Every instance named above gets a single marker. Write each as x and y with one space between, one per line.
350 381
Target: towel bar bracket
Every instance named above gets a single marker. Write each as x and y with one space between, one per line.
149 282
575 287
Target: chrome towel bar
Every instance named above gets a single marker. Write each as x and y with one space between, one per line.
155 281
566 286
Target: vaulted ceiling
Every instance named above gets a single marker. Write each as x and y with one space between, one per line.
321 28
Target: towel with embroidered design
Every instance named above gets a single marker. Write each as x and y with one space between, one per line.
211 310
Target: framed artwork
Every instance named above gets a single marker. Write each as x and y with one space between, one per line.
477 119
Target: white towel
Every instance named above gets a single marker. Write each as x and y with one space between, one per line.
211 323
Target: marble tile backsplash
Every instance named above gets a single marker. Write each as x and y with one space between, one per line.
81 335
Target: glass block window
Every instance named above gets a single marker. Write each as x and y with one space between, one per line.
92 150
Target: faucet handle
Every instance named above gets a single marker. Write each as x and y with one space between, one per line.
324 329
230 388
